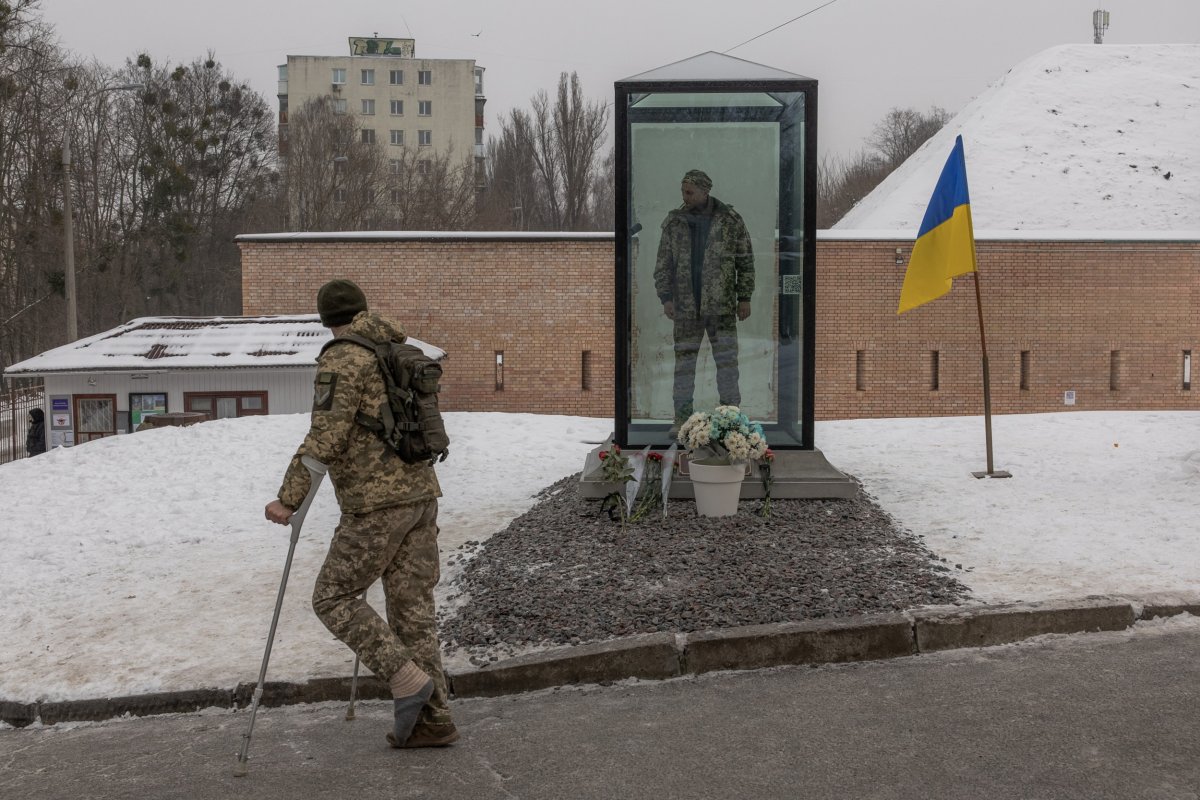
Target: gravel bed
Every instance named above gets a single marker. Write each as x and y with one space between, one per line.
564 574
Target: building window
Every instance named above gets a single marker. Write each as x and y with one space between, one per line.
224 405
425 77
585 371
425 108
1187 370
396 137
479 136
395 166
935 378
339 195
339 105
368 136
1114 370
397 108
1024 371
422 167
478 80
424 138
368 77
283 72
95 416
339 76
368 107
860 371
396 77
395 197
143 405
499 370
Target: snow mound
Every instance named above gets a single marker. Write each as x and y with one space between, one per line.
1077 137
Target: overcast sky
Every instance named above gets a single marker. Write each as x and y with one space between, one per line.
868 55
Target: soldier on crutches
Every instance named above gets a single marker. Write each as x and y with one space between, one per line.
388 528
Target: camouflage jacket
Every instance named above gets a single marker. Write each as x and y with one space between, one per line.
366 473
727 275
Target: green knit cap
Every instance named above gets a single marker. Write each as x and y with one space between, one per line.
338 301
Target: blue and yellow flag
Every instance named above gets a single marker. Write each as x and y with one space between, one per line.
945 246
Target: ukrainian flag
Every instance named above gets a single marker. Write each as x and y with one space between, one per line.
945 246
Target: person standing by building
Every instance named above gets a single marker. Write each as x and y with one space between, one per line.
35 440
388 527
704 277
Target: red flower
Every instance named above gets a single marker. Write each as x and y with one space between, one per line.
769 455
603 454
655 456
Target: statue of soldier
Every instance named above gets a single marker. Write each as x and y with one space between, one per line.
704 277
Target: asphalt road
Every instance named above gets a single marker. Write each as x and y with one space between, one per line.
1095 716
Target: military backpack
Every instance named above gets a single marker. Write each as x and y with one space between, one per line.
409 422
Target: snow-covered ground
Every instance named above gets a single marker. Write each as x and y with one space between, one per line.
143 563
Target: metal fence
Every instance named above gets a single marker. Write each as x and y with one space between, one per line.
15 405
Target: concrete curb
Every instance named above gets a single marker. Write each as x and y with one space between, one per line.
652 656
938 629
822 641
665 655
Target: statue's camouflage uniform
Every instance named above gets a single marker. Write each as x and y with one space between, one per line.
388 526
706 291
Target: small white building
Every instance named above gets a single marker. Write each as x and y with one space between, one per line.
220 366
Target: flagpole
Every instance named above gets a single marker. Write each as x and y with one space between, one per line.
987 389
987 382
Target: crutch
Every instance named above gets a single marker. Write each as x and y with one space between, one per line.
316 471
354 680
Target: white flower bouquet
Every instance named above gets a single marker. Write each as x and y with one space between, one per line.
726 432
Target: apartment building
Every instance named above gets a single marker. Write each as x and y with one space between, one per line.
399 100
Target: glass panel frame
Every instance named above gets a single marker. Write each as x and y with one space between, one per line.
747 135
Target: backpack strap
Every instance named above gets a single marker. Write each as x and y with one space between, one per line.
388 421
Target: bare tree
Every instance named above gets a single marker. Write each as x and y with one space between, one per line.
544 165
429 192
511 200
184 159
32 101
902 130
842 183
332 179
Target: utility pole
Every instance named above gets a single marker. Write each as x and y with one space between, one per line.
69 235
1099 24
69 219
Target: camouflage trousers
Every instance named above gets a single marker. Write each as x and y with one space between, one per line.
722 338
399 545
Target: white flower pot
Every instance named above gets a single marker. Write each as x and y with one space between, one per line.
717 486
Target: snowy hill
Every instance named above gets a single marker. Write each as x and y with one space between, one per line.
1076 138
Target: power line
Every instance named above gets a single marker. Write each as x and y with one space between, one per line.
781 25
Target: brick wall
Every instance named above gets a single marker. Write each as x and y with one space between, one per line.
543 303
1068 305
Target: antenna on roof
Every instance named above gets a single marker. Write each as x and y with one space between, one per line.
1100 24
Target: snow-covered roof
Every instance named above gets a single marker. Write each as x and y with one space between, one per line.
1077 137
178 343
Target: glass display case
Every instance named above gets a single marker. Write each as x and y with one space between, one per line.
715 248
